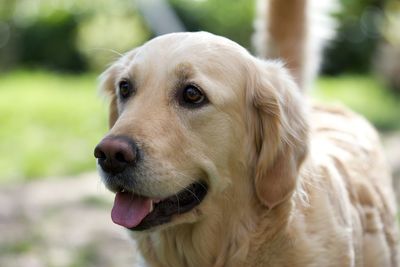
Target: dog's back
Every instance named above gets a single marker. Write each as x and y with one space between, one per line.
347 154
345 150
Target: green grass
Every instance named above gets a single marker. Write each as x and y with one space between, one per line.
365 95
49 124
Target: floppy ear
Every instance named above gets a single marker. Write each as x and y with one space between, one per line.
107 86
278 131
108 80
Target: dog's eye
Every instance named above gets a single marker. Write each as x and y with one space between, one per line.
125 88
193 96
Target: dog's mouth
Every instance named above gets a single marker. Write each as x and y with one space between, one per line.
138 213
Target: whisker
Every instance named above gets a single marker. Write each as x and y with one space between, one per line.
107 50
177 198
185 188
204 187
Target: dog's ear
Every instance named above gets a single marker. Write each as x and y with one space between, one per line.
108 82
107 87
277 129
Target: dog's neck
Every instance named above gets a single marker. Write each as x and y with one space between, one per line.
228 237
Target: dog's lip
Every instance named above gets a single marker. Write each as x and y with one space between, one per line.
162 210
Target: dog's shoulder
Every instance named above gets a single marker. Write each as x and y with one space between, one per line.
350 169
350 144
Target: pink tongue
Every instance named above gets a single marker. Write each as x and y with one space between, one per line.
129 210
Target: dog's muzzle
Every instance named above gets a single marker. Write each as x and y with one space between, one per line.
115 153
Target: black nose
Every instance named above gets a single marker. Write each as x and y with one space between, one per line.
115 153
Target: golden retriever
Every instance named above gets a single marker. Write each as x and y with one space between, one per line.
217 160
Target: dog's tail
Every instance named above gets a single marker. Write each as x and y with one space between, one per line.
294 31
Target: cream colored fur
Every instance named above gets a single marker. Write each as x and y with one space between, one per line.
290 183
295 31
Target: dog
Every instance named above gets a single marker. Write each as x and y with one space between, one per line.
217 159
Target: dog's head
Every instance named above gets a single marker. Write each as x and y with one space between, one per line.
193 115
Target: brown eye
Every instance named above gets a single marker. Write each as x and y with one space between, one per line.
125 89
193 96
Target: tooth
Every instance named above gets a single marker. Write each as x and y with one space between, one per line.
151 206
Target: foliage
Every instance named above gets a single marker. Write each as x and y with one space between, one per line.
50 42
49 124
102 37
357 37
387 63
85 34
232 19
391 25
67 35
365 95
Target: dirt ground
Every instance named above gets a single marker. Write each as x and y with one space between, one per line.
61 222
65 222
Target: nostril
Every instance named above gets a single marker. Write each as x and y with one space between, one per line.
126 154
115 154
99 154
119 156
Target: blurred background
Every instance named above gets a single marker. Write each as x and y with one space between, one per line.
53 209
